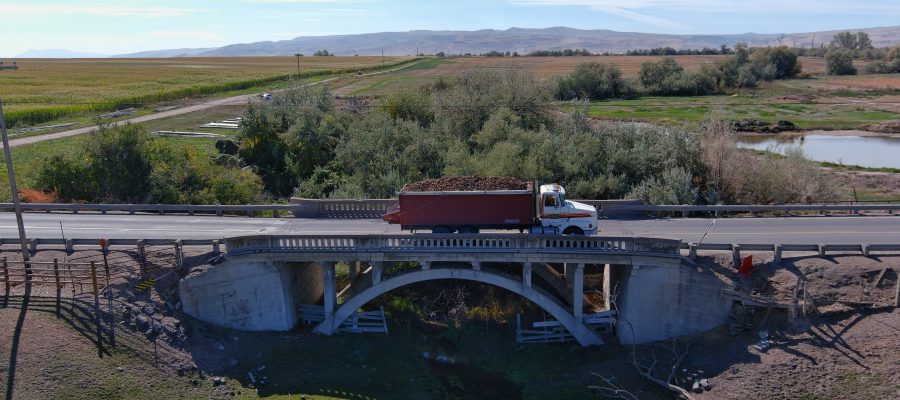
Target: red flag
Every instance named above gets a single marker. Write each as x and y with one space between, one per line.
746 268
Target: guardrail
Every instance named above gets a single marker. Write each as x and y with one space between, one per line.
470 243
375 208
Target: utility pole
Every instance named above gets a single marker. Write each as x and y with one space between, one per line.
298 55
382 59
15 196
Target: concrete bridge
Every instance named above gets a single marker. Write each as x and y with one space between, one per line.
265 280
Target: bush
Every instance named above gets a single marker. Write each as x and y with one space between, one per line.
772 63
668 78
839 61
125 165
593 81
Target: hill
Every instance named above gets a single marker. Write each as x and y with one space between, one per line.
514 39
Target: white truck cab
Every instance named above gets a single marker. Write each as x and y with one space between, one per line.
560 216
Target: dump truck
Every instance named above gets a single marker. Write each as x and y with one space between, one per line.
483 204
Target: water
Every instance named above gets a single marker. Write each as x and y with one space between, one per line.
866 151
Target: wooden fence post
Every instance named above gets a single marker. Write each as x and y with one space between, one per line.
6 275
58 285
97 308
109 298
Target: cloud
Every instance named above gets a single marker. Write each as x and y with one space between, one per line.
624 8
205 35
101 10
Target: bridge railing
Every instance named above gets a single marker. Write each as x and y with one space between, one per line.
471 243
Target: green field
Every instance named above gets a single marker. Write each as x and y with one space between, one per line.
44 90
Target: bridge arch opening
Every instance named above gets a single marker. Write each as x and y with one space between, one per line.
584 335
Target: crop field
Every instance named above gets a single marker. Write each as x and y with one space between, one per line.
43 90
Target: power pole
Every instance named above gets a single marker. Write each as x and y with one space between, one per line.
298 55
15 196
382 59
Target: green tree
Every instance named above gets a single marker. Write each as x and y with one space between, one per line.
839 61
593 80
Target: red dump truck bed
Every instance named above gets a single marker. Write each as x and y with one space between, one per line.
464 210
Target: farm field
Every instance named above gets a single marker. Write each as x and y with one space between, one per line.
43 90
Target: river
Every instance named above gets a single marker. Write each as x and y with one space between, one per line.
865 151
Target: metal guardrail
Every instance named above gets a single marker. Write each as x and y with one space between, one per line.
472 243
375 208
155 208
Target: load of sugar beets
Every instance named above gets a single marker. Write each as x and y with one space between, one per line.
471 204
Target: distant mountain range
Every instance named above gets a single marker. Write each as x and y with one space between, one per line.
519 40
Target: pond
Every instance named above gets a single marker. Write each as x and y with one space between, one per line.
865 151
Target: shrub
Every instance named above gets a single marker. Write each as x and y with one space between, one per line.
594 81
667 78
772 63
839 61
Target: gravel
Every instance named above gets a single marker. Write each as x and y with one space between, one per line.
467 183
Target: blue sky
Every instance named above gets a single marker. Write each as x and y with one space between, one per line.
123 26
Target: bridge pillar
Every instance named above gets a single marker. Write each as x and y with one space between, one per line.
355 268
526 275
607 286
569 271
577 289
377 269
330 289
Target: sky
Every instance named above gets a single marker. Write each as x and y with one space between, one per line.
125 26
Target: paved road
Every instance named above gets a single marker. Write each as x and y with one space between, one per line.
233 100
799 230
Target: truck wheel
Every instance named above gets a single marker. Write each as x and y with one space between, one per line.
441 229
573 231
468 229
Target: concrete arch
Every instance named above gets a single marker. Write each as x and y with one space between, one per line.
584 335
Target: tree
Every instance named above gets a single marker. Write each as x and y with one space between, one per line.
839 61
593 81
851 41
772 63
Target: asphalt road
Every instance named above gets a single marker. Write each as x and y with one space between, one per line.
796 230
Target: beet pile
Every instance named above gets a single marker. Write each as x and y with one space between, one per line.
467 183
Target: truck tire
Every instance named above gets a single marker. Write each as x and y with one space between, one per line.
468 229
442 229
573 231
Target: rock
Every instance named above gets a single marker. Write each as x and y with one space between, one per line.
696 388
142 322
170 325
705 384
220 347
218 381
120 369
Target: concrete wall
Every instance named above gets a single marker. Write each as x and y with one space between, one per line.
249 295
665 301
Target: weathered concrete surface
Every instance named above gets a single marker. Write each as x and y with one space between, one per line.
665 301
251 295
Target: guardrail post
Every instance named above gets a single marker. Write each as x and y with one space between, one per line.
526 275
684 213
159 209
865 250
70 246
777 257
179 255
736 254
821 250
692 251
32 246
143 253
